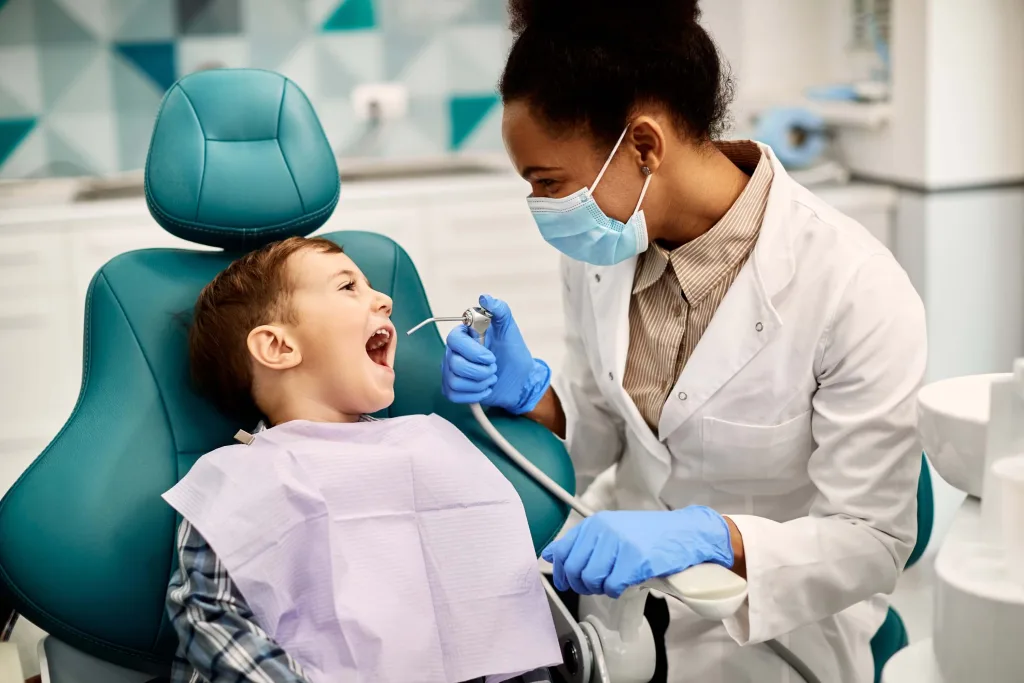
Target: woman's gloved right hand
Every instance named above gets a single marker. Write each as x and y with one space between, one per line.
500 373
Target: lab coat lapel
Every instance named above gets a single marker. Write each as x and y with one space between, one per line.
746 320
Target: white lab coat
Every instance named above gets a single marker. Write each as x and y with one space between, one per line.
794 416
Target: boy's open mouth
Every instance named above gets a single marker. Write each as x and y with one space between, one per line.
379 344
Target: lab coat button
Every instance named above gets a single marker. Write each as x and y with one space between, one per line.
677 311
597 277
682 395
759 327
611 376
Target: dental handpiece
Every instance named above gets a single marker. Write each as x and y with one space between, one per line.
475 318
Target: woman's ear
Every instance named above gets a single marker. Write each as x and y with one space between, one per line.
647 139
273 348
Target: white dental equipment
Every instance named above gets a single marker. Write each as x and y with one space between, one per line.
615 644
972 429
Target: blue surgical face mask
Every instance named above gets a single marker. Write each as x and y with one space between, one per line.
577 227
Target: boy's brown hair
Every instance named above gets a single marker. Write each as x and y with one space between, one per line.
250 292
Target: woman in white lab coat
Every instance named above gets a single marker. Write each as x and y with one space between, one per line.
742 359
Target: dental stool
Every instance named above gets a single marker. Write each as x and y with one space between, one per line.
237 159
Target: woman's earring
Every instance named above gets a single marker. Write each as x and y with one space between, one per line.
645 170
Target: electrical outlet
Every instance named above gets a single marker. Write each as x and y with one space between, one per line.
380 101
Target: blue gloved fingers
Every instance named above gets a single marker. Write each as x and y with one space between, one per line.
461 367
465 342
626 573
502 314
556 553
579 555
602 560
461 385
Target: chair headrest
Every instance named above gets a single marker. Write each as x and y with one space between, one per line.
239 159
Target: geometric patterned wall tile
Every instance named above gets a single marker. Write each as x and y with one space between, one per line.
338 121
92 136
333 80
134 92
209 17
361 54
267 18
211 52
64 159
19 75
405 138
92 90
12 133
426 72
485 12
476 56
27 158
486 135
352 15
301 66
55 25
417 16
96 16
467 112
400 50
61 64
11 108
146 20
317 12
134 132
155 60
17 23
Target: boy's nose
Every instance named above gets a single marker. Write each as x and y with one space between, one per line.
383 303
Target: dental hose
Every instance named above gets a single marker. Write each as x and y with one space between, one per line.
479 319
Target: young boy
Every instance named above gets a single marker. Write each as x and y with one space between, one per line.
294 333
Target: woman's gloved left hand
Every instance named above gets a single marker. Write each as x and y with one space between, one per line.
612 551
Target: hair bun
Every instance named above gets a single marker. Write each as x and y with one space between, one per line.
604 16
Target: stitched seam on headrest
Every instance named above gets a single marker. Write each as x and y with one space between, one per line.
202 175
270 230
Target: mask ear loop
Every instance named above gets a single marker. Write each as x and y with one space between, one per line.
647 181
608 161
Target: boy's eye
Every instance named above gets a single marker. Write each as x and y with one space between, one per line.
348 286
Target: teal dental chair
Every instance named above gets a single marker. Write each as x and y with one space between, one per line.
238 159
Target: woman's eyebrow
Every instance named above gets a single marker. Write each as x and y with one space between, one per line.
533 170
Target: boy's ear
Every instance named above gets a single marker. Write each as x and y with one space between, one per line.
273 348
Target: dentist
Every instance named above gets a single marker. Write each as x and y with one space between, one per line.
742 359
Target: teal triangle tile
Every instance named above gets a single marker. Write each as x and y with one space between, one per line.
12 133
134 92
2 4
146 20
60 65
156 60
55 25
352 15
17 23
11 107
215 17
466 112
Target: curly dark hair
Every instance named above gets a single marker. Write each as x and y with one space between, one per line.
584 63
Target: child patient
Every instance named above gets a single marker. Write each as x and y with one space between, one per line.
334 547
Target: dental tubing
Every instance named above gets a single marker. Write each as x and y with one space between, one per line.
479 319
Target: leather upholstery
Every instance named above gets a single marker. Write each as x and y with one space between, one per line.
238 159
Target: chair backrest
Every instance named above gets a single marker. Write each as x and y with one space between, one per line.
86 543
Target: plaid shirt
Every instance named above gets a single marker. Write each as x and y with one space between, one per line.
218 637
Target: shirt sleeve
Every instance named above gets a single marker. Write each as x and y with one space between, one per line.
862 523
219 635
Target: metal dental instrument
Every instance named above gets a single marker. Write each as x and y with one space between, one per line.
710 590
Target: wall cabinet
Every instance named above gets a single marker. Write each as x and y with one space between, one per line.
466 235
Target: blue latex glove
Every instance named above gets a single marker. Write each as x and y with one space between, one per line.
612 551
500 373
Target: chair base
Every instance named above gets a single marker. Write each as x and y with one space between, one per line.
61 663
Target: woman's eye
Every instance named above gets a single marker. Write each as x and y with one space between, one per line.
545 182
